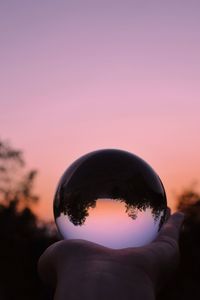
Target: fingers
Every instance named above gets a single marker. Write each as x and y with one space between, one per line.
168 213
166 247
163 253
171 229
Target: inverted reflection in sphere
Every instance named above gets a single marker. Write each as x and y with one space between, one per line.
110 197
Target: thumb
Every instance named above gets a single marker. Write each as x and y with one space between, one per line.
171 228
163 253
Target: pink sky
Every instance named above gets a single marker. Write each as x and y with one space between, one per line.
77 76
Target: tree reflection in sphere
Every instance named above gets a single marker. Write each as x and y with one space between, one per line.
110 197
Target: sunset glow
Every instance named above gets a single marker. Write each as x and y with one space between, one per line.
77 76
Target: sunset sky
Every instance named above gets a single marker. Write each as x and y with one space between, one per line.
77 76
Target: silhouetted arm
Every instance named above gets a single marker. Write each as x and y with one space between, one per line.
84 270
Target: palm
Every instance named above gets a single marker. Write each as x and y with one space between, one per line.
92 268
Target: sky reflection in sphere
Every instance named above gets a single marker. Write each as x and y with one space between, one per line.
110 197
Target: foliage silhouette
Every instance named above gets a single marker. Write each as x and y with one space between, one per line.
15 184
23 237
109 174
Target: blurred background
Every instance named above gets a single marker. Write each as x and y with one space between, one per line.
77 76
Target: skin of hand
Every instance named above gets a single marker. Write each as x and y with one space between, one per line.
79 269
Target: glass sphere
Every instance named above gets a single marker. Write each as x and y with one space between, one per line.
110 197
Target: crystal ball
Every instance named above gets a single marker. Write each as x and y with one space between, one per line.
110 197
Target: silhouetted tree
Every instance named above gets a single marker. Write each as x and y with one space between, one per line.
76 204
23 237
15 183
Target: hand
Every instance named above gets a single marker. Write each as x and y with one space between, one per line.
80 269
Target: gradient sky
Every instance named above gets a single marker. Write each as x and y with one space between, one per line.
76 76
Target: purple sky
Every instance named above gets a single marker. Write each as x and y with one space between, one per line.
81 75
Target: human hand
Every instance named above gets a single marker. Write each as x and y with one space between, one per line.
80 269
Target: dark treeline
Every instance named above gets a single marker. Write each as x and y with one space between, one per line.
24 238
109 174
